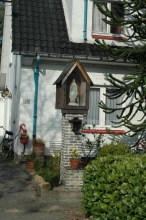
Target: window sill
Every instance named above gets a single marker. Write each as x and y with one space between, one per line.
104 131
106 37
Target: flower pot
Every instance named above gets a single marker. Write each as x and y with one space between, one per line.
30 165
74 163
39 149
23 140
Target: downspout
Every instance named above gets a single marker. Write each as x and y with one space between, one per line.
85 20
36 83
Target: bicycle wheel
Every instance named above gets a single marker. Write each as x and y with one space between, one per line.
4 145
7 154
0 148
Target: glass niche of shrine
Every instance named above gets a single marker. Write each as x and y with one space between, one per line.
76 93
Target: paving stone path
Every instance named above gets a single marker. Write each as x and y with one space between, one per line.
18 198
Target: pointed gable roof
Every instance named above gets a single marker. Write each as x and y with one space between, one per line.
68 70
73 76
40 26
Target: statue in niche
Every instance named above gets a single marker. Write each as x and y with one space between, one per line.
73 93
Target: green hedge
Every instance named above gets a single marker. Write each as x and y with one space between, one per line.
114 187
114 148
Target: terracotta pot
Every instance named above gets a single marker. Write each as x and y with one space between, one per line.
30 165
74 163
23 140
39 149
57 166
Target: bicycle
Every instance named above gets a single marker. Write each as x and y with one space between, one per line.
7 144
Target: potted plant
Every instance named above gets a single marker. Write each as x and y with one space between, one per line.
90 148
57 158
38 146
74 158
30 160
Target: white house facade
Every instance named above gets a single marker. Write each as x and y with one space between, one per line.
19 66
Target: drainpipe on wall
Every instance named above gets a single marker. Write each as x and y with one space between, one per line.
36 83
85 20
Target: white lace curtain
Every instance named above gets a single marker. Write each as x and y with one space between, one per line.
99 26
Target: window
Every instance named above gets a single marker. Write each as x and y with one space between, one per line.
112 103
95 115
99 26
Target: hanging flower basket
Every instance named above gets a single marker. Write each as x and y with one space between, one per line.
23 140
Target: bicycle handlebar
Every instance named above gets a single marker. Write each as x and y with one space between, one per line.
9 132
6 131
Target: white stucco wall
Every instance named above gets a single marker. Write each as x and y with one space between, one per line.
48 118
6 62
67 5
1 117
74 13
6 45
5 68
20 81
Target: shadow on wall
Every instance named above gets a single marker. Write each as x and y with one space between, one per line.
49 120
128 140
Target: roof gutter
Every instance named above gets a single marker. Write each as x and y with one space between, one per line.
85 20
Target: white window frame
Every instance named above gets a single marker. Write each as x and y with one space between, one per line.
107 32
102 118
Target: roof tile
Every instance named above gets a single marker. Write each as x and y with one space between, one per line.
41 24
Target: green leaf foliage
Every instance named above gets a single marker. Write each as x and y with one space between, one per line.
114 148
114 187
133 86
92 146
49 170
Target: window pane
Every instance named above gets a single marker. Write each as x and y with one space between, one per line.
93 113
112 103
118 11
98 25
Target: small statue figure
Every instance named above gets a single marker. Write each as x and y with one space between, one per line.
73 93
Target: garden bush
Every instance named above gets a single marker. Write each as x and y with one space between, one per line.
114 148
114 187
49 170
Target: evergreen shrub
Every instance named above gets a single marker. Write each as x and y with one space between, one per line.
114 187
49 170
114 148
